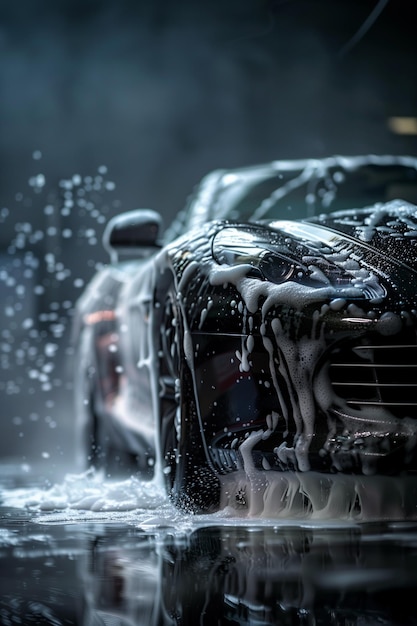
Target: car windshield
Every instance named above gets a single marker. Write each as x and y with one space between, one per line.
299 189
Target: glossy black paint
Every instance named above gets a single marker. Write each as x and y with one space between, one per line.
298 336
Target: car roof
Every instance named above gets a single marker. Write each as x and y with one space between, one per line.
297 189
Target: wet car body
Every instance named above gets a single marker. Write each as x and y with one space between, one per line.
254 357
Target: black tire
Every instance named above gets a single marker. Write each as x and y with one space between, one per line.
169 391
191 484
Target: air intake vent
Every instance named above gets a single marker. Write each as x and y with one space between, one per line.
376 373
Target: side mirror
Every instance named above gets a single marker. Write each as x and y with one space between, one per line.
133 234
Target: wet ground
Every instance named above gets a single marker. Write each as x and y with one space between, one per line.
85 551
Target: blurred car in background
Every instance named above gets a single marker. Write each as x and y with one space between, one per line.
261 354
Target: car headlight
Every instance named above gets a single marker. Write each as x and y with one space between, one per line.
274 258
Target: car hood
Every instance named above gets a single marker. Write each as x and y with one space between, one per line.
389 229
343 248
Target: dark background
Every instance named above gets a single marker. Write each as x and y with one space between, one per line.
109 105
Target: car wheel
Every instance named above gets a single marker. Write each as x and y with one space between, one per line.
191 484
170 423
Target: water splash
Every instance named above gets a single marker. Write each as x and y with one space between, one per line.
39 277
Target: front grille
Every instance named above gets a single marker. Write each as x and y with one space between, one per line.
224 459
376 373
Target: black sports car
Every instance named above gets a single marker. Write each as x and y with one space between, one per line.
263 355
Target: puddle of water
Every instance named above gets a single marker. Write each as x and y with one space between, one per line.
102 571
92 552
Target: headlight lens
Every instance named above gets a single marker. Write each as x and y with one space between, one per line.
277 258
270 261
236 246
277 269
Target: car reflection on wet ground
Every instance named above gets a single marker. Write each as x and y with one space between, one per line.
160 567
